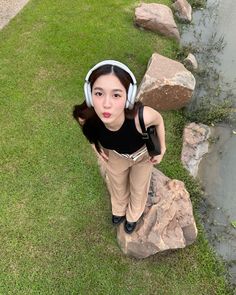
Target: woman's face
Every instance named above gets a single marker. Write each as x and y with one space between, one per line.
109 98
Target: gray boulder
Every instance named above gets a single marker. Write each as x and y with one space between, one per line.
195 146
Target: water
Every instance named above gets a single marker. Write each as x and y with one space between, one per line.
214 39
213 43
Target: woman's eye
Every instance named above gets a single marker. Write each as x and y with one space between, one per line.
116 95
98 93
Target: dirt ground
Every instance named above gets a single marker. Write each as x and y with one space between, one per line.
8 9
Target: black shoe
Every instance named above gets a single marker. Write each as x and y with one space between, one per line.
129 226
117 219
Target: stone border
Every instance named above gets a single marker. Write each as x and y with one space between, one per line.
9 9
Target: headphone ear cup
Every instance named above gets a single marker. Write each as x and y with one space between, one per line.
131 96
88 94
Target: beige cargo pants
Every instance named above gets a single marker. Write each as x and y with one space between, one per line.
129 182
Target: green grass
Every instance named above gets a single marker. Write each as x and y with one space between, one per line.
55 231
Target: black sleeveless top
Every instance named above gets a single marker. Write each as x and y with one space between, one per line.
126 140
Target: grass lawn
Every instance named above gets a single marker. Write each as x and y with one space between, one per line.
56 235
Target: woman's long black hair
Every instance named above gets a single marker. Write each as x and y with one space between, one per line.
82 111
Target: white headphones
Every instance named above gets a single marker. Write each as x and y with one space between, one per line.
132 87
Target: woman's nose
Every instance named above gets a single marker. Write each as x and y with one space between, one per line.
107 101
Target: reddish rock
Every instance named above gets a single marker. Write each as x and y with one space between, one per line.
166 85
167 223
157 18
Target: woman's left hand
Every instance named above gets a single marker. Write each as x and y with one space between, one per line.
157 159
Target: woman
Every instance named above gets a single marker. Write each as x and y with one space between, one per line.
109 120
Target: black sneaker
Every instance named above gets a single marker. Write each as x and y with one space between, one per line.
117 219
129 227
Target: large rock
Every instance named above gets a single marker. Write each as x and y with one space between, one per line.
157 18
167 222
195 145
183 10
166 85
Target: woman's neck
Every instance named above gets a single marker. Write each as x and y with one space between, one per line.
116 125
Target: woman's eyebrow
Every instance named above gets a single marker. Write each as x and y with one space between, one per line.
98 88
119 90
115 90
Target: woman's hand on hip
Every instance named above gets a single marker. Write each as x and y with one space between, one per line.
103 155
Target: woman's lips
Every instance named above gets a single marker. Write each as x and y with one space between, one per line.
106 115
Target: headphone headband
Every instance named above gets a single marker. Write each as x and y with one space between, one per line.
111 62
132 88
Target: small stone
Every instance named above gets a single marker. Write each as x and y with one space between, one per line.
190 62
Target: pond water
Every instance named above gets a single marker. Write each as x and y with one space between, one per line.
212 36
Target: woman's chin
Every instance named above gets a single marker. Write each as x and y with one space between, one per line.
106 119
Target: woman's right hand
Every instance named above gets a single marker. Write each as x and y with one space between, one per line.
103 155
